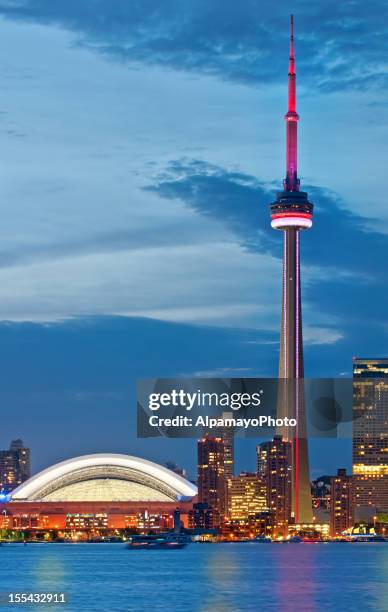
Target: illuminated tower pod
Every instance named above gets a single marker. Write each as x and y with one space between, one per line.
290 213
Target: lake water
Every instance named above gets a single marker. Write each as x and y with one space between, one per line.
201 577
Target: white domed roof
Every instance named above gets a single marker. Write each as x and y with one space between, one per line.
98 476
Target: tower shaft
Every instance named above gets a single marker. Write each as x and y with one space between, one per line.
291 399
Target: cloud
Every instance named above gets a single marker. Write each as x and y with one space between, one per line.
238 200
344 272
320 335
114 241
228 372
241 202
340 45
209 282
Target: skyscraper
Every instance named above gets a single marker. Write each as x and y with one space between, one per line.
227 435
290 213
15 466
274 469
370 433
341 512
211 473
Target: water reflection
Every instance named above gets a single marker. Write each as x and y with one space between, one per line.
295 584
222 573
204 578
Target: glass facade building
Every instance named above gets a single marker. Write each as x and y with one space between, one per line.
246 495
211 473
341 515
15 466
370 433
274 467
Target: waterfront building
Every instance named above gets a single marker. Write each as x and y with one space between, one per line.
370 434
381 523
274 468
227 435
342 514
321 492
246 496
211 473
15 466
246 529
316 530
202 517
292 212
321 497
99 492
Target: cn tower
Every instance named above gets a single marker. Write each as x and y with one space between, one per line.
291 213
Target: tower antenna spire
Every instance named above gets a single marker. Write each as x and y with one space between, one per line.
291 182
291 67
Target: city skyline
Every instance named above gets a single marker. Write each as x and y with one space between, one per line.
232 506
161 207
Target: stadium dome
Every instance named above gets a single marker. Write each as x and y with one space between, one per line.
105 477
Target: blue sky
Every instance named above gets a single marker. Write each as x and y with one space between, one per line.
141 145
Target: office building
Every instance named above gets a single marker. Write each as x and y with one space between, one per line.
15 466
341 514
246 496
211 473
274 468
370 434
227 435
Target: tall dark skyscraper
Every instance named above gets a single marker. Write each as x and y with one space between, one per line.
341 514
211 473
274 469
370 433
15 466
290 213
227 435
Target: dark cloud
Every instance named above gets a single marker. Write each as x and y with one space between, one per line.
238 200
242 202
349 256
341 45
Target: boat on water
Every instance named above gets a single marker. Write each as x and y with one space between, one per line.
365 537
160 541
262 539
295 539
